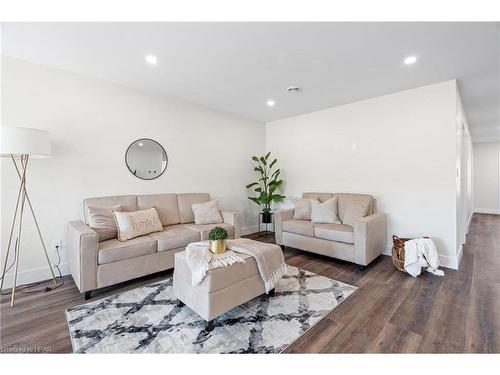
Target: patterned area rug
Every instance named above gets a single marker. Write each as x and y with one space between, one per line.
147 320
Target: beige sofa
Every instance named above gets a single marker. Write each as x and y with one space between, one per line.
97 264
359 244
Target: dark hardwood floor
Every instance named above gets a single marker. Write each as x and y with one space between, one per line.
390 313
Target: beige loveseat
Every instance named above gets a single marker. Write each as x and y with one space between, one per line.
359 244
97 264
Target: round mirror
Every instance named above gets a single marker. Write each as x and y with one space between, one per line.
146 159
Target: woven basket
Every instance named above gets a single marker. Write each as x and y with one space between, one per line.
398 251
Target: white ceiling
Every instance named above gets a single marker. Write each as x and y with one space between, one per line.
237 67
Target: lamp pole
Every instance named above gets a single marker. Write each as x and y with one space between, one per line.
22 197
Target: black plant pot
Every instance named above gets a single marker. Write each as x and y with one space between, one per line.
266 218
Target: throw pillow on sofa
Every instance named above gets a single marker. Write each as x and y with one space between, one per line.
137 223
207 213
303 208
101 220
354 211
326 212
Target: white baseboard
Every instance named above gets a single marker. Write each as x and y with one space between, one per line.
444 260
487 211
33 275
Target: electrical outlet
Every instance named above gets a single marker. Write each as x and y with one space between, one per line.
56 243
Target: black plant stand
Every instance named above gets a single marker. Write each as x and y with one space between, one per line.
266 233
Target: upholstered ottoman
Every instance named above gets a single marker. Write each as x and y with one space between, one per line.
221 290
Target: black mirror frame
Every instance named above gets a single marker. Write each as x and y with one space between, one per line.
146 139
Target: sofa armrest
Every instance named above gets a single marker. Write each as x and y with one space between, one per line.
82 244
234 219
369 238
279 217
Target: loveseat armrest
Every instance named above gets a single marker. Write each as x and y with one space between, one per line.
279 217
82 242
234 219
369 238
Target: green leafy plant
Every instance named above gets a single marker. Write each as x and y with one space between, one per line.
217 233
268 184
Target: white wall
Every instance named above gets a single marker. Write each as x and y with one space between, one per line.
464 173
92 123
400 147
486 177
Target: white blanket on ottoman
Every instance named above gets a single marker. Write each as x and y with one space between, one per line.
269 259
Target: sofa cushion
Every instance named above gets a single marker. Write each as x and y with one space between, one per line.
165 204
174 237
298 227
353 206
114 250
303 208
128 203
205 229
207 213
325 212
218 278
334 232
186 201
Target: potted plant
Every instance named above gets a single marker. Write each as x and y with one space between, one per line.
217 237
267 186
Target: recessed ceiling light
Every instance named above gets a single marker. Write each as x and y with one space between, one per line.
141 144
270 103
411 60
151 59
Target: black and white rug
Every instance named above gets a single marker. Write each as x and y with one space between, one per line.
147 320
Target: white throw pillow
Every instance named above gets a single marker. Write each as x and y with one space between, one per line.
303 208
137 223
325 212
207 213
101 220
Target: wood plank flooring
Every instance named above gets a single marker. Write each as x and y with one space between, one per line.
390 313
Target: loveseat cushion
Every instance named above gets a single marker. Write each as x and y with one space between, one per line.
303 227
353 206
165 204
175 236
334 232
114 250
205 229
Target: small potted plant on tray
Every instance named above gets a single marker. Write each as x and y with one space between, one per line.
217 238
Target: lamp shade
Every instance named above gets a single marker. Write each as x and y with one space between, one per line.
19 141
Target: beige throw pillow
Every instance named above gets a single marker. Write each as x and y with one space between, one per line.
137 223
354 211
303 209
207 213
326 212
101 220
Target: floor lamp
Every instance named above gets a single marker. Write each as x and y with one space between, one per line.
21 144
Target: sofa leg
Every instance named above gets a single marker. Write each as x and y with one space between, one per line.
209 326
179 303
271 293
87 295
362 268
283 247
